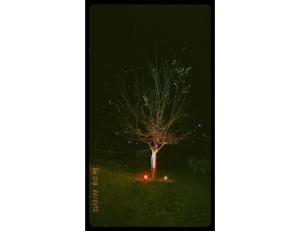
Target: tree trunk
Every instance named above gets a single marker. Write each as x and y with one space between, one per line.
153 165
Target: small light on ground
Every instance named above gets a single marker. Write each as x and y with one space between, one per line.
145 177
166 177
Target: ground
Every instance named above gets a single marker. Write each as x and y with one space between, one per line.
124 201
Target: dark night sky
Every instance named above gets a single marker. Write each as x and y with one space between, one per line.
126 36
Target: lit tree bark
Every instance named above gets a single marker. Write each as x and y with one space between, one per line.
153 165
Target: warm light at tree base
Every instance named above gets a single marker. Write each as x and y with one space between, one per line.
146 178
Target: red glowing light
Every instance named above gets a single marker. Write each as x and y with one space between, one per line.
145 177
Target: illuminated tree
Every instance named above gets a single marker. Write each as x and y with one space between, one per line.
152 107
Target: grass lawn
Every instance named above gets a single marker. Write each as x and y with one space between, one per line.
123 201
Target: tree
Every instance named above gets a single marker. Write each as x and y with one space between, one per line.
152 110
